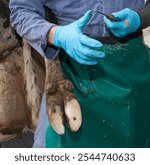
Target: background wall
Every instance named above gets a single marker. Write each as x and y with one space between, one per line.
146 33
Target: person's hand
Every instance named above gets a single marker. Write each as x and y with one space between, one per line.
80 47
130 22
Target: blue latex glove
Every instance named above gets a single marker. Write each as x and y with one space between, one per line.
83 49
130 22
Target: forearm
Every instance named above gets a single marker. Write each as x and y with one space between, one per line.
50 34
144 14
28 18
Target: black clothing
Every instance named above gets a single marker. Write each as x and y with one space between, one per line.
144 14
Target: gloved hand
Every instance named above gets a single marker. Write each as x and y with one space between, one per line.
130 22
83 49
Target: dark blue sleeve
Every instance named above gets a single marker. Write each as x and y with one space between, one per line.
144 14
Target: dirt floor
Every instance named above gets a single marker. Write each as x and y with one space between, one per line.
26 141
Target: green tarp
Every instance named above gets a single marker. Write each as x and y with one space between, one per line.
114 96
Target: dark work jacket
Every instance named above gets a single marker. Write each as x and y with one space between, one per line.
145 15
